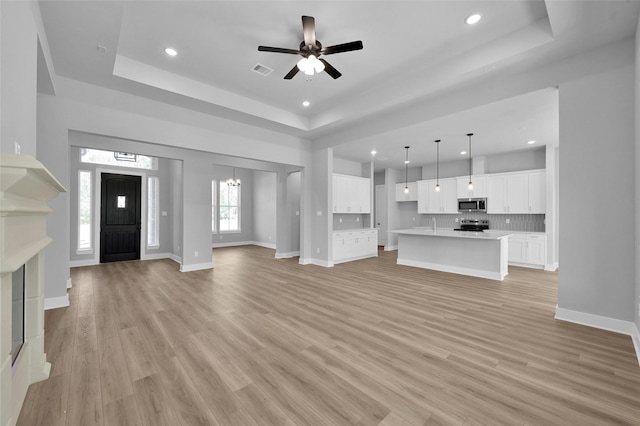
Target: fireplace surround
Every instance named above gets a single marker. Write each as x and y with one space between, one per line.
25 188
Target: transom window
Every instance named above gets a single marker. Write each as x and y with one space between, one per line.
114 158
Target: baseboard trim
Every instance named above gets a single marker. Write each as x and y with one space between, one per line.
635 337
318 262
156 256
265 245
304 261
56 302
390 248
604 323
287 255
80 263
196 267
552 267
175 258
231 244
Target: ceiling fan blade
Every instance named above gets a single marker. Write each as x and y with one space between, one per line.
291 73
278 50
329 69
339 48
309 29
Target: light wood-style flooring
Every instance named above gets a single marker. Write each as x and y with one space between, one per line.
260 341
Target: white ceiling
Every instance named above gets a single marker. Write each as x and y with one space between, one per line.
414 51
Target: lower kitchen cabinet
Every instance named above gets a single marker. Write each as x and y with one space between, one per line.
528 250
354 244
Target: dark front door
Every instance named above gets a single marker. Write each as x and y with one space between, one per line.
120 218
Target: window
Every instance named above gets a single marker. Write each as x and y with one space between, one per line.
122 159
214 207
153 221
229 207
84 210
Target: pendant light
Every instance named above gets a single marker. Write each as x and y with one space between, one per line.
438 165
470 187
406 171
234 181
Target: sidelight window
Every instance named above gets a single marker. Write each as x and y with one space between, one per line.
229 207
153 207
214 206
84 211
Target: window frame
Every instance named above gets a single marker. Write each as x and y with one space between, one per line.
238 207
79 249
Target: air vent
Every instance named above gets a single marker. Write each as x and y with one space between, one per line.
262 70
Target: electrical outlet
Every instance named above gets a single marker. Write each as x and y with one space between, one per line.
508 220
164 213
457 220
297 213
413 219
16 147
319 212
318 250
195 253
357 219
340 220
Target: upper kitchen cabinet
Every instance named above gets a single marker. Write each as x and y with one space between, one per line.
443 201
517 193
351 194
412 195
537 192
480 187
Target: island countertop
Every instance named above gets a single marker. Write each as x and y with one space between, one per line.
428 232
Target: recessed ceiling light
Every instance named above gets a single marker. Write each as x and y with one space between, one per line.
531 142
306 103
170 51
463 152
473 19
374 152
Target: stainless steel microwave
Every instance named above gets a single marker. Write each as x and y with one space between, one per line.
472 204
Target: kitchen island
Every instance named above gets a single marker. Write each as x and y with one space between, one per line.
479 254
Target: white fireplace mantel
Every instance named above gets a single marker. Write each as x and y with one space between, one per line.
25 188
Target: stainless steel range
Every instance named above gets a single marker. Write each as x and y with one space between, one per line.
473 225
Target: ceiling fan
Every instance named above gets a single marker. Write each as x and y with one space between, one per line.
311 49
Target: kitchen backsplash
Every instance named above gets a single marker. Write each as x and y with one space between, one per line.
517 222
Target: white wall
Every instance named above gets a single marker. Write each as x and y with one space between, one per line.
597 249
637 180
264 208
18 79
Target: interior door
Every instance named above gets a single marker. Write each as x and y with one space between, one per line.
381 214
120 216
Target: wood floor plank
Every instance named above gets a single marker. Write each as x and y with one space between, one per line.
114 374
85 395
261 341
122 412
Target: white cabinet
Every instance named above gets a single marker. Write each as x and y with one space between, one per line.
528 250
354 244
517 193
480 187
412 195
351 194
537 192
443 201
